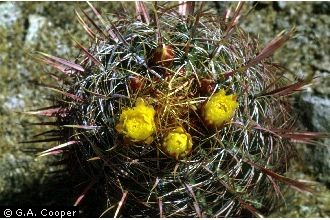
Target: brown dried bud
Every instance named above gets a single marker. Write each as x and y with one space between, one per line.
207 86
136 83
163 55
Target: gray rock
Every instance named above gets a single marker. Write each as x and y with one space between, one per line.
322 83
316 112
13 176
36 23
14 102
9 14
27 181
282 4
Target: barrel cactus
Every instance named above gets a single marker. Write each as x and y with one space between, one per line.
174 112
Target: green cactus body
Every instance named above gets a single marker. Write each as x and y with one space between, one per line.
175 61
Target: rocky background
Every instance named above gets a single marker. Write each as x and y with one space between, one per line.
26 27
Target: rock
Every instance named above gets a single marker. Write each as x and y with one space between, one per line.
322 83
36 23
282 4
321 8
27 181
14 177
9 14
317 111
279 5
316 115
14 102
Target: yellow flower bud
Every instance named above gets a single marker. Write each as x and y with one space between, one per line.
177 143
137 123
219 108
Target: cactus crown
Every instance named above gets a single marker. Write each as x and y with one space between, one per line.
176 113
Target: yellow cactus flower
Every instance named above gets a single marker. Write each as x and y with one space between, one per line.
219 108
177 143
137 123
